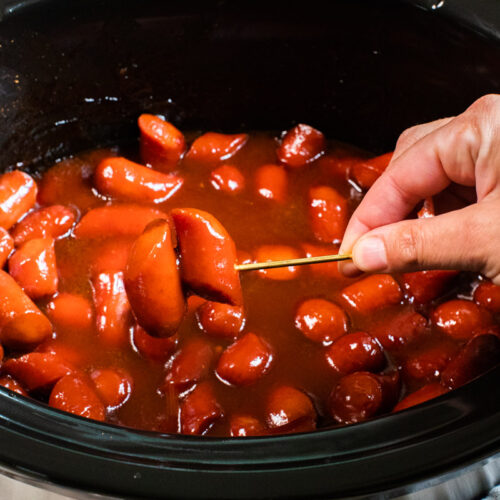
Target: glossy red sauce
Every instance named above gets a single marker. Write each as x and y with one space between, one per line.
313 348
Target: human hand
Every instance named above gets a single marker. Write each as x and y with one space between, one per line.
428 158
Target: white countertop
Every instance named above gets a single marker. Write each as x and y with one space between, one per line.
11 489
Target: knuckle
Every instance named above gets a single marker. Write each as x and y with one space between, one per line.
486 103
408 246
406 137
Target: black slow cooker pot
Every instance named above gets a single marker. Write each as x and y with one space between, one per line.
76 74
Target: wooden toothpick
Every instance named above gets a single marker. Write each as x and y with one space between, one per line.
292 262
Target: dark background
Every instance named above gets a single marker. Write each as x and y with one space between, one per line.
75 74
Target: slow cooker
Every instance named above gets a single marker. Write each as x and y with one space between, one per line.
75 74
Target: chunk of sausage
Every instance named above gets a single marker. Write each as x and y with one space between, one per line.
46 222
154 348
33 266
116 220
425 286
6 246
268 253
460 319
22 324
366 172
153 283
17 196
321 320
228 179
361 395
70 311
371 293
478 356
112 308
328 214
199 410
354 352
208 256
213 147
125 180
190 365
74 393
301 145
162 145
425 393
271 182
289 408
245 425
220 320
245 361
487 295
38 370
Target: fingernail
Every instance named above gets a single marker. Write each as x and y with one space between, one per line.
369 254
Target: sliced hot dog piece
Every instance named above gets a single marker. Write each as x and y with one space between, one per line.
361 395
116 220
112 308
245 361
125 180
70 311
12 384
199 410
366 172
354 352
487 295
425 286
427 209
428 363
245 425
69 354
37 370
227 178
153 283
74 393
189 366
213 147
157 349
479 355
113 386
371 293
267 253
289 409
162 145
425 393
220 320
22 324
271 182
328 269
301 145
460 319
208 256
6 246
47 222
17 196
33 266
112 255
321 320
400 330
328 214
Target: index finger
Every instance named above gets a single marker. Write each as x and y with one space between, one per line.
424 169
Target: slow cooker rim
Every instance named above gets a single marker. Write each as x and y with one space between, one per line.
447 413
464 437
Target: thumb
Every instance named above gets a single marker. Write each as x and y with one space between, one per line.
466 239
